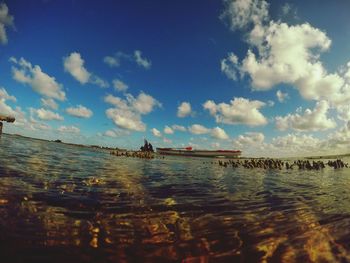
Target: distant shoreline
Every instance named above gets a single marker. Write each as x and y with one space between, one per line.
66 143
313 157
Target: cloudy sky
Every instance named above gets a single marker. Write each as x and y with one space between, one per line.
267 77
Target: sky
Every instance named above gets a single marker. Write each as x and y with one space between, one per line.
270 78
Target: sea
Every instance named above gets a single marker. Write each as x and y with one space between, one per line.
64 203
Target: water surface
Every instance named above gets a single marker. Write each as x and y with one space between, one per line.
62 203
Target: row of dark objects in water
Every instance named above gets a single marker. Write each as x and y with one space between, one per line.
135 154
279 164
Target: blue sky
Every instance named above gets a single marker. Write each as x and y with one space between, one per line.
266 77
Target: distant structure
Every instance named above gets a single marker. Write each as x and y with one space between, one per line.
147 147
5 118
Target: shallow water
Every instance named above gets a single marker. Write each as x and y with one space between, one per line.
61 203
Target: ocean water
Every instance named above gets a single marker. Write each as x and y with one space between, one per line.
61 203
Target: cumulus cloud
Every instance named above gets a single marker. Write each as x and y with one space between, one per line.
127 112
282 53
168 130
229 66
47 115
5 96
116 59
176 127
219 133
249 139
239 111
49 103
42 83
242 13
80 111
281 96
99 82
69 129
21 119
119 85
198 129
6 20
184 110
141 61
311 120
344 112
156 132
74 65
114 133
4 108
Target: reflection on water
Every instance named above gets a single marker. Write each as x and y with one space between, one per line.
62 203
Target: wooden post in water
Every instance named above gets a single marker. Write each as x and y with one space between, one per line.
5 118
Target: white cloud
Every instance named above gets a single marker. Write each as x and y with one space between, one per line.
156 132
219 133
168 130
286 8
249 139
119 85
127 113
80 111
198 129
282 53
40 82
69 129
116 133
4 108
50 103
229 66
47 115
184 110
243 13
20 116
115 60
281 96
111 61
289 11
74 65
344 112
126 119
176 127
143 62
297 145
144 103
99 82
339 140
311 120
239 111
110 133
6 20
5 96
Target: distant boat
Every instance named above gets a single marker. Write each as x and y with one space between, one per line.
188 151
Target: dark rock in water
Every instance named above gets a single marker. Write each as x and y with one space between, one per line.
57 141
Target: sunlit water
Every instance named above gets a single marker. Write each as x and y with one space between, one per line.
61 203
